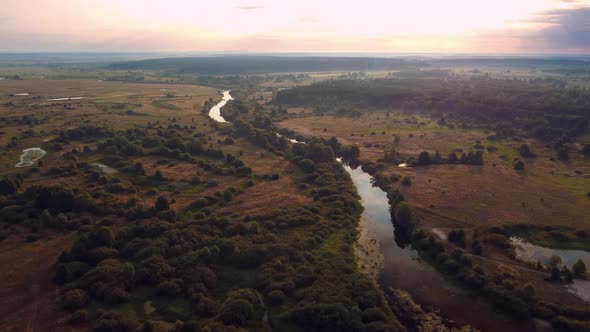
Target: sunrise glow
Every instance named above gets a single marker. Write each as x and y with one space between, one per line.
548 26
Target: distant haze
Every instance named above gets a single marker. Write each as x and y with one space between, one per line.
417 26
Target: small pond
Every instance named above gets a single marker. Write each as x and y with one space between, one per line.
30 156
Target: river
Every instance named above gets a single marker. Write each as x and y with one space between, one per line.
215 111
403 269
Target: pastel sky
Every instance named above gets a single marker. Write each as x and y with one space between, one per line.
399 26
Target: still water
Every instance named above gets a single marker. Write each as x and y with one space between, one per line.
30 156
529 252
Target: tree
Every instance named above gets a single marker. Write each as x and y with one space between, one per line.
236 312
307 165
162 204
75 299
562 154
424 158
404 217
518 165
457 237
525 151
555 274
569 276
8 186
554 261
452 158
579 267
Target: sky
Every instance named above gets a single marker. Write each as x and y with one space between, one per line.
389 26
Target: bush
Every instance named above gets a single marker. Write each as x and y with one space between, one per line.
78 317
236 312
75 299
372 315
307 166
457 237
518 165
407 181
525 151
114 322
276 297
579 267
162 204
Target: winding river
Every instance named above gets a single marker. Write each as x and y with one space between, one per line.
215 111
402 268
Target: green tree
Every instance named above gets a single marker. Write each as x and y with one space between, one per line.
162 204
554 261
579 267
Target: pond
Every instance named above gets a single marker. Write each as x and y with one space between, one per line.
66 98
529 252
105 169
403 269
292 140
30 156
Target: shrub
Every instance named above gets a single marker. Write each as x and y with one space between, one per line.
457 237
162 204
75 299
525 151
236 312
579 267
79 316
372 315
276 296
114 322
407 181
518 165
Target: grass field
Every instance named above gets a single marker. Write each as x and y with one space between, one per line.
119 106
548 192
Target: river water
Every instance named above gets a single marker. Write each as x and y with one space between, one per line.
215 111
403 269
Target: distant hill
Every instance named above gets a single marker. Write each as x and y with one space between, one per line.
228 65
261 64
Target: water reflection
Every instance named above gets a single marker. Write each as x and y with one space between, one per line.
529 252
105 169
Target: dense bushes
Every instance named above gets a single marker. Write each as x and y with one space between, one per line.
9 185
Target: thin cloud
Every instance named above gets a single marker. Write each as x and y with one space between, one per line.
308 19
250 7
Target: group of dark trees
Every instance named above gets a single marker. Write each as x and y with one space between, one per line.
532 108
470 158
289 267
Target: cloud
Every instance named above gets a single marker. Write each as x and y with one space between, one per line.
308 19
564 29
250 7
